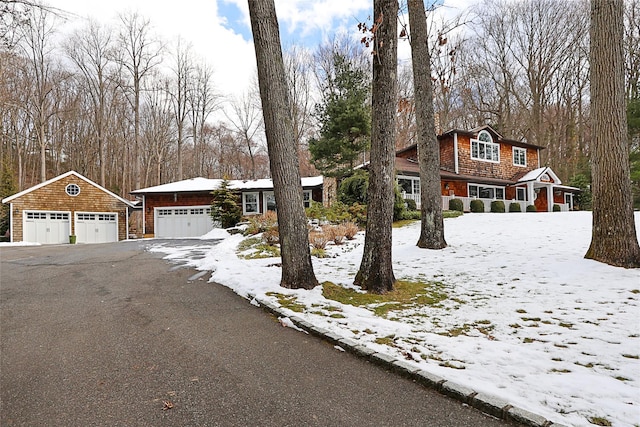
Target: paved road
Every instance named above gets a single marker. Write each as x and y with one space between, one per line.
102 335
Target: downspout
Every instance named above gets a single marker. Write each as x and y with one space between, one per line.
11 227
455 152
538 150
144 215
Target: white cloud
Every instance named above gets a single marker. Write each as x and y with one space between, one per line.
195 21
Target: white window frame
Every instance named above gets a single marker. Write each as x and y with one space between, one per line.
519 154
265 201
72 190
568 200
523 191
478 187
486 150
307 198
415 184
246 203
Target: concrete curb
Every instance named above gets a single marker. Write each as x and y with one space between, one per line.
484 402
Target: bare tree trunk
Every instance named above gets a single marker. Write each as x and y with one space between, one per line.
297 270
432 224
613 239
376 269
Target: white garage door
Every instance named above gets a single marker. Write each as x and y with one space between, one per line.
96 227
183 221
46 227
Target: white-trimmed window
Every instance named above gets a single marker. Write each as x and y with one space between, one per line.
486 192
519 156
250 203
72 190
306 198
269 201
521 194
484 148
409 184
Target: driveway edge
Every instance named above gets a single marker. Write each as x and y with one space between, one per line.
486 403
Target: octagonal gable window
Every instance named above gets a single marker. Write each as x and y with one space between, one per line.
72 190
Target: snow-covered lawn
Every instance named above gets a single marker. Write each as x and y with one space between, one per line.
526 317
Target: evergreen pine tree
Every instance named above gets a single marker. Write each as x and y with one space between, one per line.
225 207
345 120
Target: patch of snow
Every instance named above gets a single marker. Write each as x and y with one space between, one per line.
288 323
216 233
526 318
20 244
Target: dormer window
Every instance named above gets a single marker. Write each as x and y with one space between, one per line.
484 148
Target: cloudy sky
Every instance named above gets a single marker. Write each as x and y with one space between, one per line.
220 31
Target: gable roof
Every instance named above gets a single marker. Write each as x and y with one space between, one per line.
535 175
200 184
488 129
64 175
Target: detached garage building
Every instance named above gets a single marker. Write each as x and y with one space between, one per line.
67 205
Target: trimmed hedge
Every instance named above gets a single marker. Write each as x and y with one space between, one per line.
456 205
411 204
477 206
532 208
497 206
515 207
556 208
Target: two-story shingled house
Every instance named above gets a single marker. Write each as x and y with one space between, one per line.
481 164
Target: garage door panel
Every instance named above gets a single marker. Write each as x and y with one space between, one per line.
99 227
46 227
178 222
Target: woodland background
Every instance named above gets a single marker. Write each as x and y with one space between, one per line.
129 110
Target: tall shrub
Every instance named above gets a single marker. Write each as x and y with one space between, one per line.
225 207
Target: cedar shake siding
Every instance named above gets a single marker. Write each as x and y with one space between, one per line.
447 155
51 196
505 169
500 166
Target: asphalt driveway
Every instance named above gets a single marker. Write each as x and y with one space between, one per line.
112 335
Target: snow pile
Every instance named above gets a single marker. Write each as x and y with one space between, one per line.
523 315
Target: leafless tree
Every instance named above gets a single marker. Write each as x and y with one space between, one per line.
297 270
246 120
16 122
298 63
203 101
613 240
91 50
157 131
376 269
142 53
36 45
183 73
406 118
632 48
